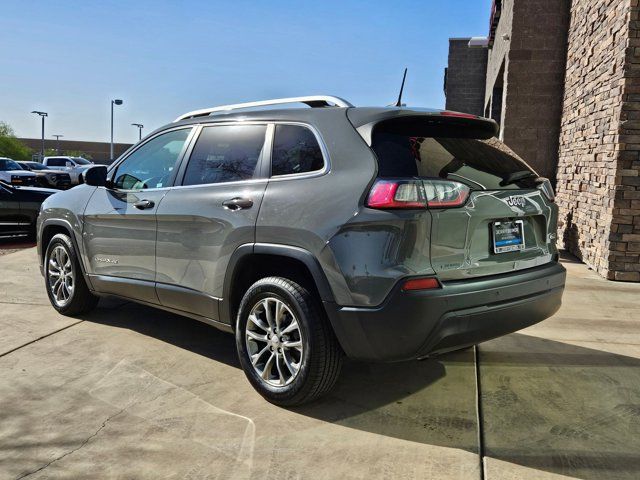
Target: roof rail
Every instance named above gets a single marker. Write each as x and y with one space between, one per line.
313 101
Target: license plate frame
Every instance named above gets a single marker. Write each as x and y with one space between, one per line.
507 236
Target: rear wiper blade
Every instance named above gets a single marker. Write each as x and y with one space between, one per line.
517 176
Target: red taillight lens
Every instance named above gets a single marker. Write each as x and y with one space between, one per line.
396 194
417 194
445 193
420 284
448 113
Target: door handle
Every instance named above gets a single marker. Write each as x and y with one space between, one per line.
238 203
143 204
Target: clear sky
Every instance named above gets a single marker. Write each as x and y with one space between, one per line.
164 58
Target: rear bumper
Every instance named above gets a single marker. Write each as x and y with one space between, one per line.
411 325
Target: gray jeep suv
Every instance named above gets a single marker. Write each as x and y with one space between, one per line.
385 234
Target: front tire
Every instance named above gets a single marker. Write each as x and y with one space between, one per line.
286 346
66 287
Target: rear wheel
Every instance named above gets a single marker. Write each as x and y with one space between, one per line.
66 287
285 344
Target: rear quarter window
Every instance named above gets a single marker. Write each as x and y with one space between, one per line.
484 164
295 150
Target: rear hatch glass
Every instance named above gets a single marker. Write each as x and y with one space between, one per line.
481 164
506 222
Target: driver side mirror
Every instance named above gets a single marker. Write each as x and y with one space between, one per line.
96 176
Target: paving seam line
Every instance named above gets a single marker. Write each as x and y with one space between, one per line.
25 303
479 417
40 338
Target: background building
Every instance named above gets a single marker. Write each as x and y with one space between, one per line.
563 81
98 151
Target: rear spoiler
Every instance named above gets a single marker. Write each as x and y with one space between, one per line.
431 124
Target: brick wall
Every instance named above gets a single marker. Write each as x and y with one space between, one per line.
465 77
624 258
498 52
597 180
533 58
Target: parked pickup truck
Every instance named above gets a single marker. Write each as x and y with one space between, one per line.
74 166
13 174
48 177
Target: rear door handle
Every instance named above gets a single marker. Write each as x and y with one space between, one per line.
143 204
238 203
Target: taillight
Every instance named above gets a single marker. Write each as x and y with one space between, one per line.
448 113
420 284
545 185
445 193
417 194
396 194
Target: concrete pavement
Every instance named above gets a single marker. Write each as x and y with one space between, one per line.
134 392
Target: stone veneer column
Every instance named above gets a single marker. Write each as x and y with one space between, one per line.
598 182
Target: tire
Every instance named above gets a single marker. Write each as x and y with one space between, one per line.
318 360
79 298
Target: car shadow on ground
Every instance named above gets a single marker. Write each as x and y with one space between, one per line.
561 408
13 244
546 405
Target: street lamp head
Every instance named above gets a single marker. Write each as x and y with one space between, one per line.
42 114
117 102
139 125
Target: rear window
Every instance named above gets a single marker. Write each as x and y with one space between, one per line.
57 162
482 164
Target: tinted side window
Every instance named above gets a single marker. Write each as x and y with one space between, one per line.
152 165
225 154
57 162
295 150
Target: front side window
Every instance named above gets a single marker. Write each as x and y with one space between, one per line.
295 150
226 153
153 164
81 161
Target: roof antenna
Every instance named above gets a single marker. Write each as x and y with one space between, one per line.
399 102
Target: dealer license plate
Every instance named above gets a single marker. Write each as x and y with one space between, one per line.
508 236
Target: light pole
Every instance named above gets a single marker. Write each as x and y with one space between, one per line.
113 102
42 115
140 127
57 143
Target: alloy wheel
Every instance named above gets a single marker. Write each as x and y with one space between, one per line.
274 342
60 276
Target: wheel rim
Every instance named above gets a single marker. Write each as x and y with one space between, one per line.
274 342
60 276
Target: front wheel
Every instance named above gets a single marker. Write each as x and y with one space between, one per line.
286 346
66 287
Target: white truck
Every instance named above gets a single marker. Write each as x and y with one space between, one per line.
75 166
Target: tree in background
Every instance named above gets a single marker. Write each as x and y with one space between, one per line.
10 146
51 152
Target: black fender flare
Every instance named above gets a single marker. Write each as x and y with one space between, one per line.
58 222
296 253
